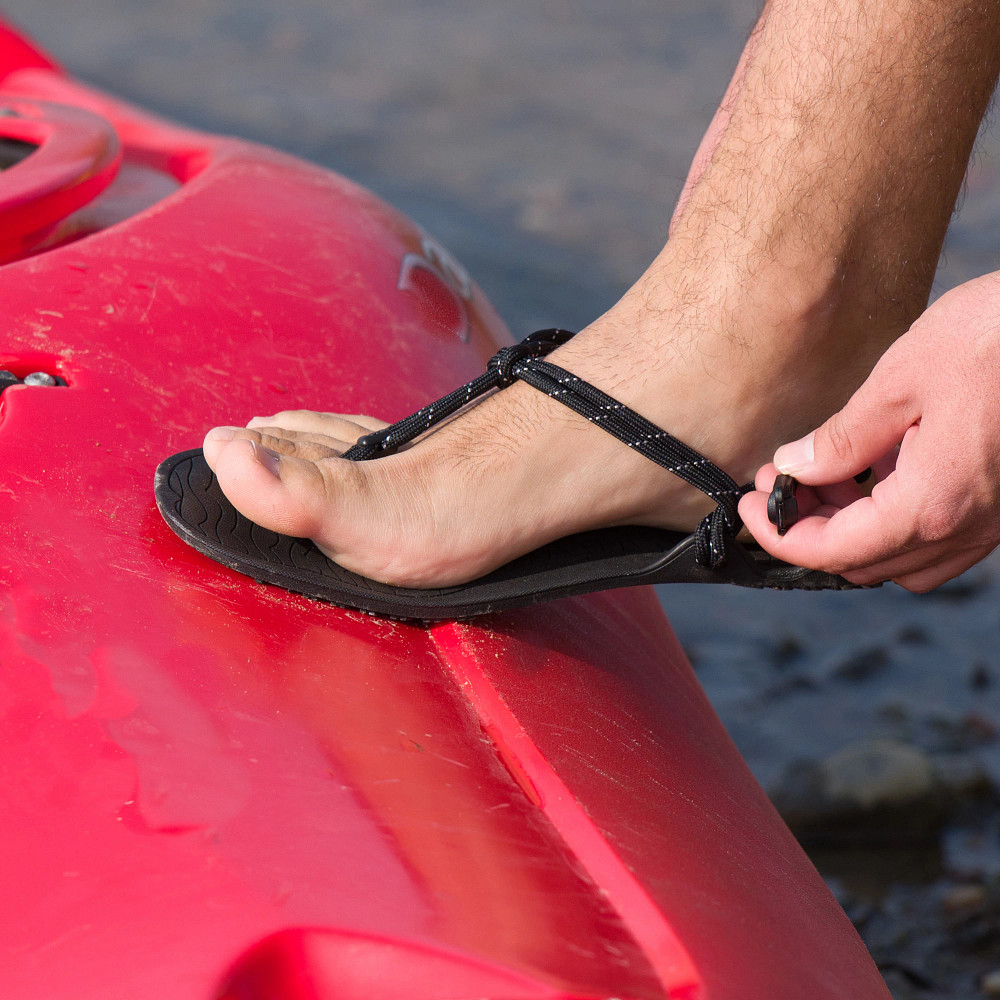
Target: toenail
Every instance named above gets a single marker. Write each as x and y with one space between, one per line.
271 460
222 433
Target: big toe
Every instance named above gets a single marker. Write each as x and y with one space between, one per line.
283 493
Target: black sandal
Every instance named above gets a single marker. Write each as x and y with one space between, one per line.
194 506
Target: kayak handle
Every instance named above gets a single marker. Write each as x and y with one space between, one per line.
77 156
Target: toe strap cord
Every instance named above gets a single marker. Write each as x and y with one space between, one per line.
499 373
525 361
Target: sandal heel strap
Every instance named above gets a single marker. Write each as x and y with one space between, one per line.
643 436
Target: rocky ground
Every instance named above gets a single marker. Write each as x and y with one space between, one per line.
545 144
871 718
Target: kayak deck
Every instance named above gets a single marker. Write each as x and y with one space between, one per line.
217 788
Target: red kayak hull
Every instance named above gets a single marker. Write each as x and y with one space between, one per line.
213 788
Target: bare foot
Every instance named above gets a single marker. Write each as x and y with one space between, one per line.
520 469
805 244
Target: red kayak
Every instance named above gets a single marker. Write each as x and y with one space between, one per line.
213 788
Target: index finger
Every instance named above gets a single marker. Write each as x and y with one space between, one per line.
867 531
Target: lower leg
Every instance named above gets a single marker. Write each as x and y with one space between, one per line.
806 240
809 231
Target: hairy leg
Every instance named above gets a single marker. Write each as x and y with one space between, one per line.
805 242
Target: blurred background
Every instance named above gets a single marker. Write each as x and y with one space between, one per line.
545 143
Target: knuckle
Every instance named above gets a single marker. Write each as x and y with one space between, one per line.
935 522
282 445
838 439
889 384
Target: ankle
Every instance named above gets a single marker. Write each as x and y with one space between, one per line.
735 363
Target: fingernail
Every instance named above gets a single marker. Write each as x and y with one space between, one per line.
254 421
222 433
271 460
795 457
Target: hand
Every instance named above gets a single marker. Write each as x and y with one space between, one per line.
928 421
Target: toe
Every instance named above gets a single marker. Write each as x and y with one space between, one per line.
216 440
283 493
344 427
310 447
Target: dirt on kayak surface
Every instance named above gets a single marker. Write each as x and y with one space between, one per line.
545 144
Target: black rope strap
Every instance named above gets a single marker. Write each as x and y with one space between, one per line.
499 373
524 361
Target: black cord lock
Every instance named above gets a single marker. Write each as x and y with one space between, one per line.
782 507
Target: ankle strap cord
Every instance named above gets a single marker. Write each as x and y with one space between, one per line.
524 361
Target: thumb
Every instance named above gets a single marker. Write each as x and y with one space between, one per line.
867 428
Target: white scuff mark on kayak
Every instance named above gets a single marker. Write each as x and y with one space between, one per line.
152 299
109 309
132 569
74 932
28 479
50 312
219 251
608 776
39 331
448 760
628 731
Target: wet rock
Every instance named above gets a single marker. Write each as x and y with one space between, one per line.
897 721
894 712
979 729
868 872
905 981
964 777
972 935
965 900
958 735
859 914
879 772
862 665
787 647
901 987
928 952
980 678
913 635
873 792
792 684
